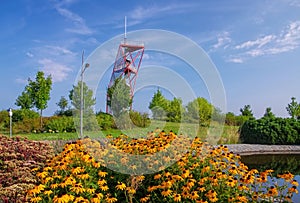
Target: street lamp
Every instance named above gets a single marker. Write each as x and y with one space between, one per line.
10 113
83 68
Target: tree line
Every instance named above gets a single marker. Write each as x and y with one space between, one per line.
36 95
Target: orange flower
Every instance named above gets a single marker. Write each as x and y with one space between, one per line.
194 195
286 176
166 193
177 197
121 186
145 199
102 174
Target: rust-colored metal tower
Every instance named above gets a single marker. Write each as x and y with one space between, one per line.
127 65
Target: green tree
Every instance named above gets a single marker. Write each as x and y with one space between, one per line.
175 110
269 113
88 100
89 119
218 116
120 103
24 100
293 108
39 91
200 109
246 111
158 106
63 103
64 110
120 99
230 119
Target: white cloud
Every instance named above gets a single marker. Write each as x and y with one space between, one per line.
21 81
291 36
236 60
223 40
295 3
58 50
58 72
141 13
80 26
29 54
287 40
258 42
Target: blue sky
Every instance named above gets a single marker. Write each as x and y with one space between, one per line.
255 45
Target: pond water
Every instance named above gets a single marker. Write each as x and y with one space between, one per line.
280 163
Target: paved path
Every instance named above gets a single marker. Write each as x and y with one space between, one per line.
249 149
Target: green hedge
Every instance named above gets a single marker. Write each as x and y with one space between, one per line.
61 124
270 131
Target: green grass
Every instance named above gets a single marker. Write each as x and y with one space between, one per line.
229 134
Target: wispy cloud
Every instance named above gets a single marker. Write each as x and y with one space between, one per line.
58 71
53 60
58 50
80 26
29 54
294 3
223 40
288 39
235 60
141 13
258 42
21 81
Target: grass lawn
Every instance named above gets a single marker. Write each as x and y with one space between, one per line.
229 134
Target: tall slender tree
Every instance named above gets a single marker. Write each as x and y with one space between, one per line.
268 113
293 108
159 105
246 111
39 91
88 101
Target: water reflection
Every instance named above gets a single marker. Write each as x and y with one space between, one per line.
280 163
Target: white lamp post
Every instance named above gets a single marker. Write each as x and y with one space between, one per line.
83 68
10 113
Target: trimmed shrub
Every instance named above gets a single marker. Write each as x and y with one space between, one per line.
270 131
27 125
61 124
139 119
105 121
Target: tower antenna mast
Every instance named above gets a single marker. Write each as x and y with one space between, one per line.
125 30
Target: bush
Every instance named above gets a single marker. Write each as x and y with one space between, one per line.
21 114
18 156
139 119
233 120
270 131
61 124
105 120
27 125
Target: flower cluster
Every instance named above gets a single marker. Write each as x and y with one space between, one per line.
82 173
17 157
75 176
217 176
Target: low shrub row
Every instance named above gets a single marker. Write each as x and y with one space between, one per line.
28 121
274 130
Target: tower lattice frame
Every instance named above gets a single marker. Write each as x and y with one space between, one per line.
126 65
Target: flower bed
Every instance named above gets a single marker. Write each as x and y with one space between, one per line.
81 173
18 156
